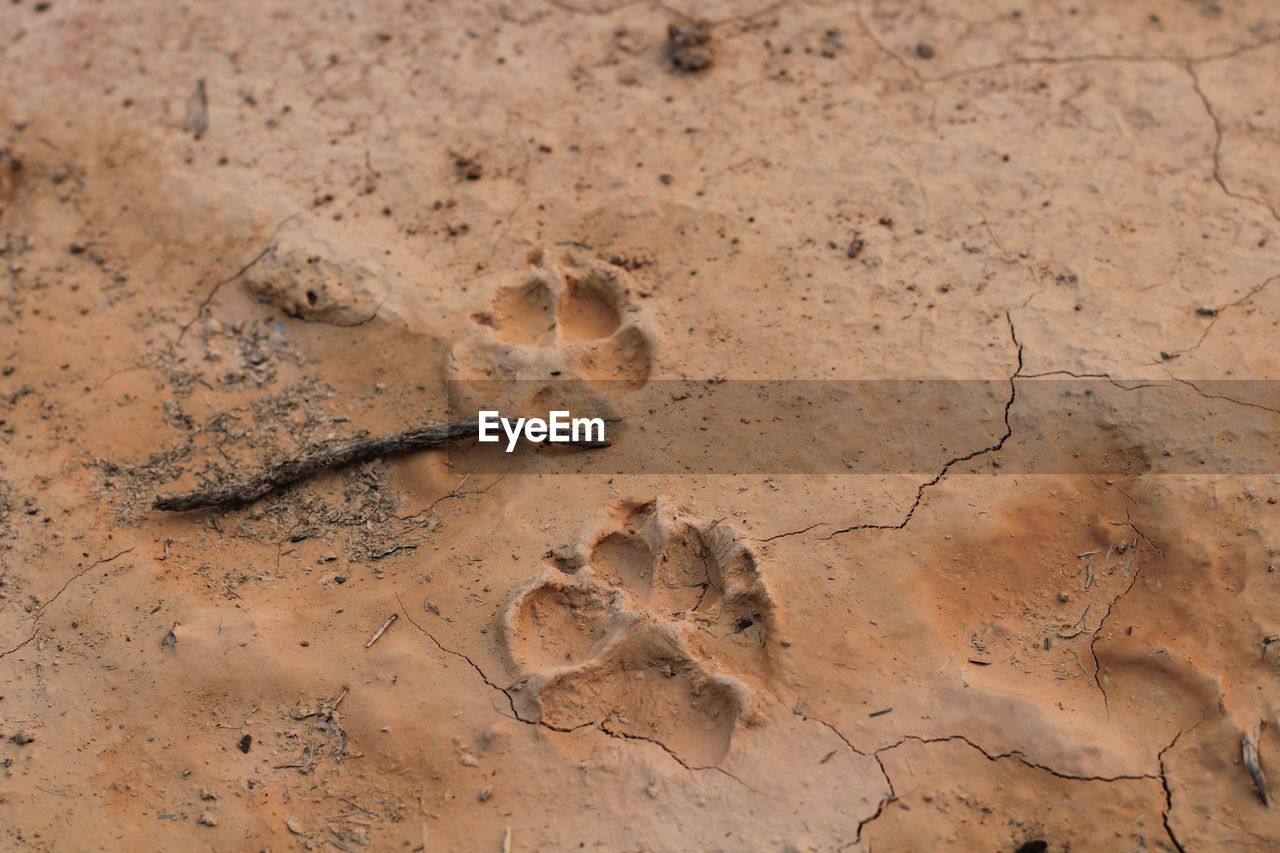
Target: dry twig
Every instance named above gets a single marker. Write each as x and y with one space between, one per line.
378 633
1249 749
315 461
324 458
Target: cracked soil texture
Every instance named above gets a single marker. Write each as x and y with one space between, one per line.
230 231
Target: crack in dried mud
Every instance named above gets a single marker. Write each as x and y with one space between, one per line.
40 611
1141 385
598 725
1015 755
1021 759
882 47
1190 68
1097 632
1168 792
1224 397
514 713
1008 432
838 734
880 807
204 303
1217 313
1105 376
244 269
1082 59
1145 537
1186 63
884 801
920 491
1018 756
792 532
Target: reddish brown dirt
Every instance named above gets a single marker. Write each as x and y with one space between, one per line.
234 230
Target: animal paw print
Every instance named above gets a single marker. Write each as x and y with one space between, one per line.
658 627
572 320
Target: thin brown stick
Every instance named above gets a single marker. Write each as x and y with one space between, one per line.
315 461
325 458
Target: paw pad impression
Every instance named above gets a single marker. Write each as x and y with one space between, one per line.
657 627
572 320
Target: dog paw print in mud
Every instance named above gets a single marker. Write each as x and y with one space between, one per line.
658 627
571 320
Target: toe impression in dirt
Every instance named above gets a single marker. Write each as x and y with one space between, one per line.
569 322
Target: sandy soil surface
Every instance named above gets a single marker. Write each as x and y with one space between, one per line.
231 231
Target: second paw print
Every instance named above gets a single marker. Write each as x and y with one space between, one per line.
657 627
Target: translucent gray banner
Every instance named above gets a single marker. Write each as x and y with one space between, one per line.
1025 425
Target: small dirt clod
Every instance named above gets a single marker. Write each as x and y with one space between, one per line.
468 168
690 46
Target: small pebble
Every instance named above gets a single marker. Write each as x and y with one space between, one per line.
486 794
924 50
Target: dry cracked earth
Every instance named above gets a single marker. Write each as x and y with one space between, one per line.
230 232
